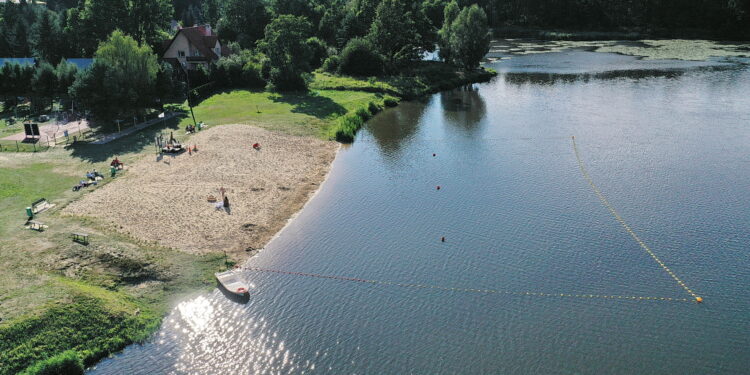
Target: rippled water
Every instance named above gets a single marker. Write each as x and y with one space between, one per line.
666 142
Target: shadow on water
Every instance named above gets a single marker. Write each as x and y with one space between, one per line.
310 104
464 108
393 127
243 299
135 142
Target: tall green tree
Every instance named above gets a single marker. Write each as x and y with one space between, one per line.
148 20
121 80
44 81
211 10
97 19
46 37
469 37
243 21
66 75
450 13
394 32
288 53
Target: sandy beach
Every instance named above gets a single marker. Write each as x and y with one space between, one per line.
165 198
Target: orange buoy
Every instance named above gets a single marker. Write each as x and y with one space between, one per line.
442 239
699 299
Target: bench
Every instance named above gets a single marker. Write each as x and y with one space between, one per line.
81 238
37 226
40 205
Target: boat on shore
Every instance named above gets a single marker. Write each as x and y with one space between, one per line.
233 283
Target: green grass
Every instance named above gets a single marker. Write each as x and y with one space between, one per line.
57 295
84 325
424 78
65 363
311 113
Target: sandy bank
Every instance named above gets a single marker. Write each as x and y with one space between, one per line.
164 199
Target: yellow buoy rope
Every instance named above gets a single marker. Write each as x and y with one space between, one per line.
625 225
466 290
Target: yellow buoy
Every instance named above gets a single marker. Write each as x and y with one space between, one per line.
698 299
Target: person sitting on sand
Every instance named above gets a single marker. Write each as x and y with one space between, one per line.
97 174
226 201
90 176
117 163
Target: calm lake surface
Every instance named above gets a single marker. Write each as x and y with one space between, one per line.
668 144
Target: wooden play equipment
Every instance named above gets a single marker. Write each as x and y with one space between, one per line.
171 146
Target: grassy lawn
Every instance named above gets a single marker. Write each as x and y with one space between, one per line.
57 295
310 113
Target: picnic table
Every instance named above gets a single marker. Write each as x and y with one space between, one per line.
37 226
81 238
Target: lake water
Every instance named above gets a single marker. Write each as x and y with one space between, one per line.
667 143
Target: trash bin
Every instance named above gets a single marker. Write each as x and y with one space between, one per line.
29 213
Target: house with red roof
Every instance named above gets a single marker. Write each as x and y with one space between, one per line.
194 46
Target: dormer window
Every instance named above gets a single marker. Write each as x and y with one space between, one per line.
181 53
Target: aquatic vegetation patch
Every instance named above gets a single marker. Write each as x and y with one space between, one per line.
678 49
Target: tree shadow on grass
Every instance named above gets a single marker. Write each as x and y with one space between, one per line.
310 104
131 143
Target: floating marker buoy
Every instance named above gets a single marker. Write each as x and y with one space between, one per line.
433 155
438 187
699 299
442 239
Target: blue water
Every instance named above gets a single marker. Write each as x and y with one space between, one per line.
666 142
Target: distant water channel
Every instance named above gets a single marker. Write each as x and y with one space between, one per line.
668 144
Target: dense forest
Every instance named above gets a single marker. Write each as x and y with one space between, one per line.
73 28
277 43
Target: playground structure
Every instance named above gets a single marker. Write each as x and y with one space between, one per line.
170 146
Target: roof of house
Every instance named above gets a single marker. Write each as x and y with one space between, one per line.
197 37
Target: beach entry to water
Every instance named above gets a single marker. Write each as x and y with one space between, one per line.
695 297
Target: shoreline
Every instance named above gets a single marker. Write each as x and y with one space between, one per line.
266 187
134 279
294 216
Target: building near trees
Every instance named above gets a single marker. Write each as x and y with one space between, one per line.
194 46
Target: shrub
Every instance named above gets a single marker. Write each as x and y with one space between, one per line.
319 52
347 126
390 101
240 70
65 363
252 75
331 64
360 59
